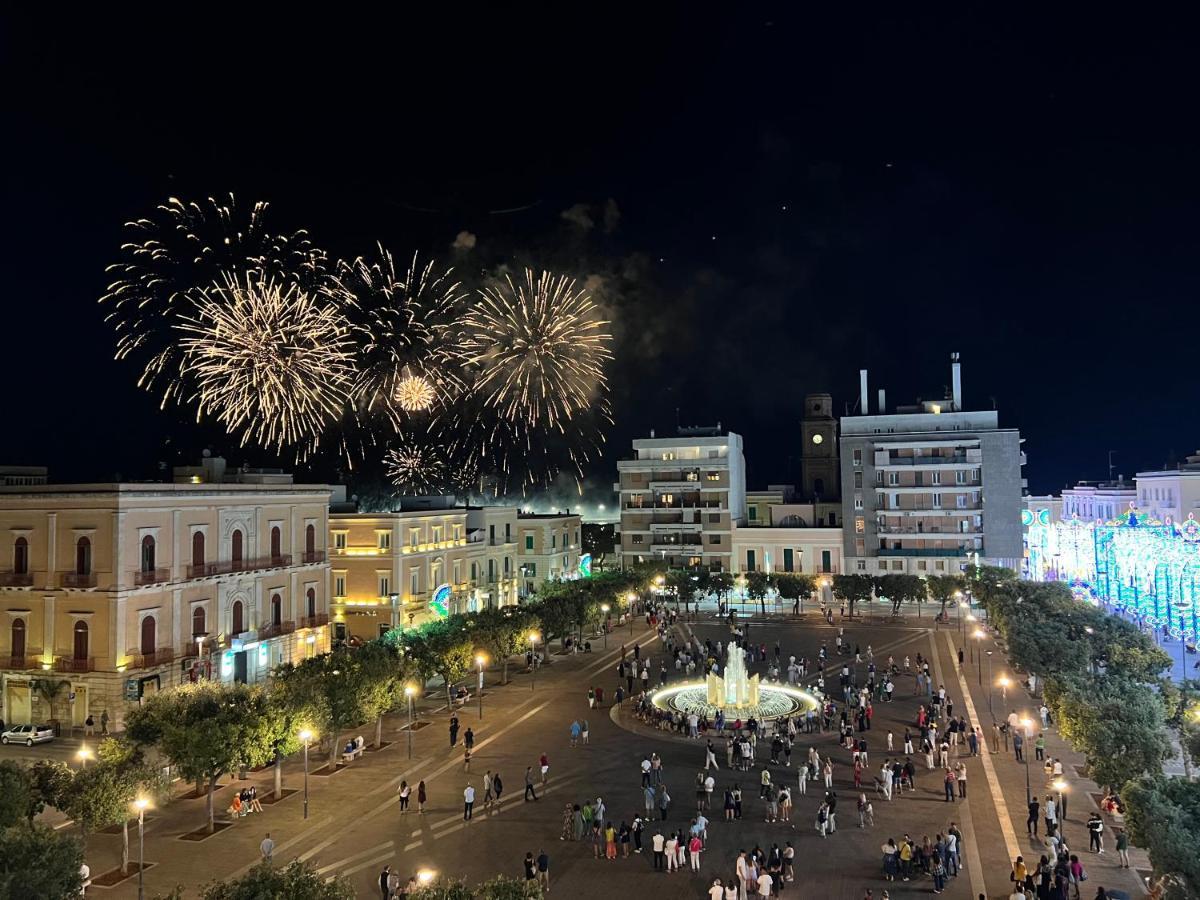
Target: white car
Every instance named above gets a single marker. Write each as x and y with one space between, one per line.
27 735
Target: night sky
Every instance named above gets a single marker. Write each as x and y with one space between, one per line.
767 203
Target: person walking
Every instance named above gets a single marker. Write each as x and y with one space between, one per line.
468 802
385 890
1095 827
422 797
544 762
497 786
530 867
488 795
267 848
453 730
543 871
404 791
576 728
530 793
695 846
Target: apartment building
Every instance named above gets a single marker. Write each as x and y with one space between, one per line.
680 497
1103 500
1171 493
125 589
548 549
494 529
776 548
930 488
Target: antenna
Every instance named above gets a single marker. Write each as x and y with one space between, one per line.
1110 464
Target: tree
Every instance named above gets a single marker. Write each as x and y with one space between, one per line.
757 584
204 729
450 652
39 863
297 881
50 689
1163 815
853 589
504 633
48 781
721 584
16 794
900 589
681 583
795 586
944 588
1183 707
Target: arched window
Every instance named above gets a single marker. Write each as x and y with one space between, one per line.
18 638
199 623
83 557
198 548
238 625
235 548
312 603
276 540
310 539
276 610
81 640
149 626
20 556
148 554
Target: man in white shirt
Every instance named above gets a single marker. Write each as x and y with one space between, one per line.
709 785
267 848
645 771
468 802
743 872
764 885
85 875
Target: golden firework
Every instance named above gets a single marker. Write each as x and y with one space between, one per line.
413 393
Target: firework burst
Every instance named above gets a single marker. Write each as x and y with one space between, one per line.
179 251
416 466
408 357
271 362
540 346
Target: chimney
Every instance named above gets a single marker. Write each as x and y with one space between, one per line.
863 403
956 381
882 401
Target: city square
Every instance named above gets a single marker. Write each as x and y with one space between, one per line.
494 454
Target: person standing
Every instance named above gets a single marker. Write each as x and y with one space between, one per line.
1095 827
468 802
530 793
1123 847
385 890
267 848
421 796
469 738
487 789
1031 823
658 844
453 730
405 791
543 870
104 722
497 786
530 867
672 846
544 763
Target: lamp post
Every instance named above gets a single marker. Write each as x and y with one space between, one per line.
84 755
200 652
632 598
425 877
533 637
141 803
978 635
1026 724
991 688
409 690
1003 681
306 736
480 659
971 647
1060 786
604 608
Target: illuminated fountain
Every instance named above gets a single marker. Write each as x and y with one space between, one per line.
736 693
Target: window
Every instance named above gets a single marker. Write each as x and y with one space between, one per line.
83 556
858 480
311 597
414 537
893 478
235 547
507 566
692 476
339 584
920 565
310 539
667 454
860 525
960 477
237 618
385 584
895 501
714 539
862 565
860 549
276 610
529 541
553 541
508 532
276 543
531 570
197 549
81 640
897 565
148 554
826 561
753 511
858 502
414 582
750 561
21 558
18 639
788 560
879 477
576 536
458 571
149 626
935 477
635 539
438 531
714 518
199 622
339 540
818 485
666 499
857 457
385 540
960 501
713 476
975 476
936 499
474 572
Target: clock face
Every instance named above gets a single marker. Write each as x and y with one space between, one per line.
817 439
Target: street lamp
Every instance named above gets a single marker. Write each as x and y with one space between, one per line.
631 598
84 755
1026 723
604 608
409 691
200 650
991 689
533 639
979 635
480 659
141 803
971 618
1003 682
1060 785
306 736
425 876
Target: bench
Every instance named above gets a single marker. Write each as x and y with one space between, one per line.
356 751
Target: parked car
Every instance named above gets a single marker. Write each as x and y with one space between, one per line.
27 735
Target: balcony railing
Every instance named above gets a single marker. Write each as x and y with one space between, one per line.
316 621
249 565
16 579
157 658
314 556
70 664
203 570
76 580
30 659
151 576
270 631
928 551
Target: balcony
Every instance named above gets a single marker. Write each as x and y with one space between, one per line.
76 580
16 579
929 551
314 556
317 621
248 565
681 547
958 459
31 659
150 660
70 664
271 631
151 576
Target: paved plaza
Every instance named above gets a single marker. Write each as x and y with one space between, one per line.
355 826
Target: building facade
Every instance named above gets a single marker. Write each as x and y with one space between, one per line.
680 497
1171 493
548 548
820 475
787 549
125 589
1103 500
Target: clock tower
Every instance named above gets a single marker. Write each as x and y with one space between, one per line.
820 471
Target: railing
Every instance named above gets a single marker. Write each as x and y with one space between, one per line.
928 551
317 621
959 459
203 570
31 659
314 556
249 565
157 658
70 664
16 579
76 580
270 631
151 576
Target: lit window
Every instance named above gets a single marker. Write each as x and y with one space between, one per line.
860 525
385 540
339 540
